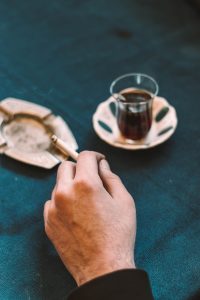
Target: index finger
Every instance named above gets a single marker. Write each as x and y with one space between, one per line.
66 172
88 165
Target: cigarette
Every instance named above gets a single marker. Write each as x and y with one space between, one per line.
64 147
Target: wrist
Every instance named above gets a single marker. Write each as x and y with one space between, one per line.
101 269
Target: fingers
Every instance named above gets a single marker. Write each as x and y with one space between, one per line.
111 181
65 176
50 217
87 166
46 208
66 172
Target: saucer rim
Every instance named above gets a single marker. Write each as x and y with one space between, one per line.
128 146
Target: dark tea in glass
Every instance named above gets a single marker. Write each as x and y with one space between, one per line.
134 94
134 113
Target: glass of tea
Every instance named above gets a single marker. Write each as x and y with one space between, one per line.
134 94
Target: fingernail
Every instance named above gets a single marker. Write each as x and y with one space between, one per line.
104 164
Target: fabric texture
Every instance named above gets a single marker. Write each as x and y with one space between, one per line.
64 55
124 284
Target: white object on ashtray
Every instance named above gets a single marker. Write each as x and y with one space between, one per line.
25 133
164 123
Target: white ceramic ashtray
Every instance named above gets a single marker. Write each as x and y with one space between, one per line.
164 123
25 133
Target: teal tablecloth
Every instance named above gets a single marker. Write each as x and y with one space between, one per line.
63 55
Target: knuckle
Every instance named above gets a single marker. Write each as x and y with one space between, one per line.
66 163
51 215
61 166
83 184
85 153
130 201
60 194
53 192
46 210
47 229
113 176
95 153
47 204
51 221
86 185
116 177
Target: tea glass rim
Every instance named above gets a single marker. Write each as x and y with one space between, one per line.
129 75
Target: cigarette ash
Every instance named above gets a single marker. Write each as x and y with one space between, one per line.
27 135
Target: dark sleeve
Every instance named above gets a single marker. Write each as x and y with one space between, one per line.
120 285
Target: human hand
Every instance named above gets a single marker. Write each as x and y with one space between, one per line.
91 218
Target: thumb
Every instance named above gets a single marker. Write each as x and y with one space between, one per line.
111 181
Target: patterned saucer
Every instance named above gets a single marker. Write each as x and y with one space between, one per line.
163 125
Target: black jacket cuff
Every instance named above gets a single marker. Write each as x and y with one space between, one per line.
122 284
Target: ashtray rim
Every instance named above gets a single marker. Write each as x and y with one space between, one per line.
12 109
